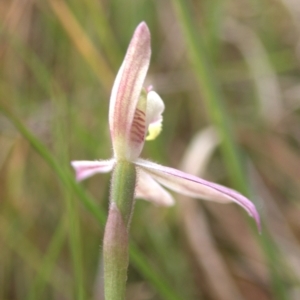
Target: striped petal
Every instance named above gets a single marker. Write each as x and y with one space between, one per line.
86 168
127 89
138 129
148 189
196 187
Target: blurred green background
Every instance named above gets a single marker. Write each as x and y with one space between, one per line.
230 64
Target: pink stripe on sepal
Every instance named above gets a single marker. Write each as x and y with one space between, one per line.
85 168
196 187
127 89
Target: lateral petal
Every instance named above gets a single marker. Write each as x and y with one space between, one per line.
147 188
87 168
127 89
196 187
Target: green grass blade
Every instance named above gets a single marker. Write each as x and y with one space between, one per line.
48 262
213 100
212 96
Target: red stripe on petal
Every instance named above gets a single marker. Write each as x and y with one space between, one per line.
138 127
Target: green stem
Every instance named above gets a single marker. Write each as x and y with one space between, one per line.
122 188
115 244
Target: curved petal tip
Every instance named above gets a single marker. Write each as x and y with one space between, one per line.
196 187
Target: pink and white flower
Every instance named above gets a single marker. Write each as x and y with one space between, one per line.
135 111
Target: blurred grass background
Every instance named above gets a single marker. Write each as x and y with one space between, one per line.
232 64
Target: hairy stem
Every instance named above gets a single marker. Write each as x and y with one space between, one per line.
115 245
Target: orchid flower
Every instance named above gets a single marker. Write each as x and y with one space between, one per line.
135 115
